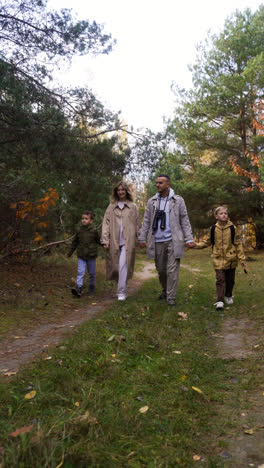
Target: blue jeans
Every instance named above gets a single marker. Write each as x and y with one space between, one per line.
90 264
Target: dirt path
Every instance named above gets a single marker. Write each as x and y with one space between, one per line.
240 339
21 348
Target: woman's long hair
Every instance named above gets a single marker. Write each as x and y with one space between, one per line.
126 188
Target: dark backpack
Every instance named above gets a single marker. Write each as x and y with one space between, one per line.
232 229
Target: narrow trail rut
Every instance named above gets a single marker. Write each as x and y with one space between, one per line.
242 341
20 349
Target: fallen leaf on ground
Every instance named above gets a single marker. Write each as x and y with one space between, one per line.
197 457
111 338
130 454
190 286
47 358
183 377
176 352
94 303
85 417
30 395
249 431
17 285
144 409
113 355
196 389
21 430
183 315
216 335
77 404
8 374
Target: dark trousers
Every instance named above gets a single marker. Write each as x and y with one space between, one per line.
225 280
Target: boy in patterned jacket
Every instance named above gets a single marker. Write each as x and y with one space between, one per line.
227 250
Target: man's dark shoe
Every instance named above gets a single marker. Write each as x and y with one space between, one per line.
162 296
76 291
171 302
91 289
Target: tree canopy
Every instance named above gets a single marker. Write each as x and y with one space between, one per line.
57 156
218 124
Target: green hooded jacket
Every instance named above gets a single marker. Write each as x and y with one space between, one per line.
85 241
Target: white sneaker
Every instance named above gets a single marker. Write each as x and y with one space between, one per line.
229 300
219 305
121 297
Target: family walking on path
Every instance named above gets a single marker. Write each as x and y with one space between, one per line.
165 230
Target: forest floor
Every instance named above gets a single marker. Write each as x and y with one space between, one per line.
20 343
139 385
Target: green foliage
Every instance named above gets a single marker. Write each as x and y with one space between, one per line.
52 138
218 119
32 35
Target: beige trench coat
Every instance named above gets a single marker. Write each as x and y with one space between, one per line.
110 235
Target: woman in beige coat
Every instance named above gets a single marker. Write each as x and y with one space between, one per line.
121 226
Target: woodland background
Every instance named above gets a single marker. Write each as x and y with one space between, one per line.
62 151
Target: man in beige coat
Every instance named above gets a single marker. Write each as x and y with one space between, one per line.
166 225
120 228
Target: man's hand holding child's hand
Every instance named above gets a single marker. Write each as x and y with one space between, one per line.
191 244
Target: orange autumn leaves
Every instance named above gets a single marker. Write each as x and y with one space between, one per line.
253 176
33 211
255 159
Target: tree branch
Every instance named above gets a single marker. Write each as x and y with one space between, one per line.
23 251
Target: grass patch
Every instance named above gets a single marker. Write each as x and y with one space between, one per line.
35 293
86 411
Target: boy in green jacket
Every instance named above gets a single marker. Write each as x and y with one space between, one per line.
227 250
86 241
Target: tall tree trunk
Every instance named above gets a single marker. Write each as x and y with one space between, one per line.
259 236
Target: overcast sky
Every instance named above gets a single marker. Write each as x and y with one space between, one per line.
156 40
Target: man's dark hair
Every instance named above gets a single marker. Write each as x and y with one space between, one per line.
164 175
88 213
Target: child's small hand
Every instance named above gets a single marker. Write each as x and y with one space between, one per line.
243 264
191 245
106 246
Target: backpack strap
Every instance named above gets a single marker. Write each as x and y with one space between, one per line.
233 231
212 234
